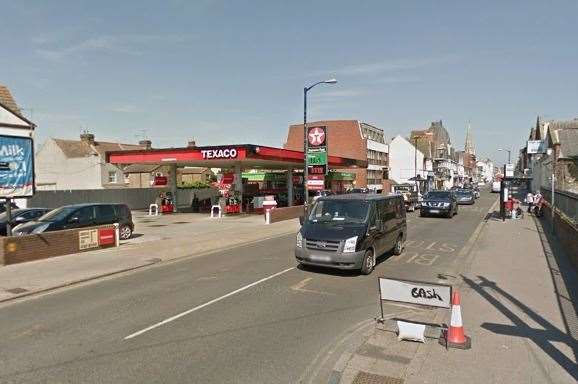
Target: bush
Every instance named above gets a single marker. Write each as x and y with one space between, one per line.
195 185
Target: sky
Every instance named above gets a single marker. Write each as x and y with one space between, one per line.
224 72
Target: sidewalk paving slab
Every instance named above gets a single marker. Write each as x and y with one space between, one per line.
511 311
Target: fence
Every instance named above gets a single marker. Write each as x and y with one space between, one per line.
135 198
565 202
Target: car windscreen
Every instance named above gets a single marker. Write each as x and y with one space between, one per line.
57 214
343 211
463 193
438 195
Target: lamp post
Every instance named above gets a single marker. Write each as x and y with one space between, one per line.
305 141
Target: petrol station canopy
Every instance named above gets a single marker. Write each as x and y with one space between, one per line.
247 156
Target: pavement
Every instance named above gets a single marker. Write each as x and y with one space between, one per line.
157 239
244 314
518 300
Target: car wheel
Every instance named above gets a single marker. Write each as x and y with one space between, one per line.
398 248
125 232
368 262
422 214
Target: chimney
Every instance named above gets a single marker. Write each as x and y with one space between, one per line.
192 144
146 144
87 138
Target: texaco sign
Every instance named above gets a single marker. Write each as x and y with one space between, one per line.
316 136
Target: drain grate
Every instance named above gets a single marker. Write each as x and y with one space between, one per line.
370 378
16 291
182 222
156 225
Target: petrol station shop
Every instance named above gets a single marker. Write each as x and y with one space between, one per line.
246 172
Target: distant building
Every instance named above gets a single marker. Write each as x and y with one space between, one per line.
485 170
79 164
560 137
356 140
436 146
403 158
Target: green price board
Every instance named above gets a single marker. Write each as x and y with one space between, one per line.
317 158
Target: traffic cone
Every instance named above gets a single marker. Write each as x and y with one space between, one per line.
455 337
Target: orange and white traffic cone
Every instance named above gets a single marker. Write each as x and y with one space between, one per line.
455 337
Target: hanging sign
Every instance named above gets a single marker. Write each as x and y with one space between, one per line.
536 146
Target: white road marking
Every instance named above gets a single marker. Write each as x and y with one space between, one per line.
187 312
300 287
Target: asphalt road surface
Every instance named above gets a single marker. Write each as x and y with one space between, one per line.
247 315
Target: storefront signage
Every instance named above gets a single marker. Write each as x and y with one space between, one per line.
88 239
219 153
415 292
16 166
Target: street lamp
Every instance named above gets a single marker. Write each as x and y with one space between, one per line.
305 141
509 153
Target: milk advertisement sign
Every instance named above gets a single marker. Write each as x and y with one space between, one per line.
16 166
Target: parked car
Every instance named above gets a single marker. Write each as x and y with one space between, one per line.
496 186
322 193
351 231
80 216
465 196
439 203
3 206
409 194
359 190
20 216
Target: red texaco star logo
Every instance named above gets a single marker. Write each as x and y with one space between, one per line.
316 136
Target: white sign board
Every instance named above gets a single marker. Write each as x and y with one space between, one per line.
535 146
415 292
509 170
88 239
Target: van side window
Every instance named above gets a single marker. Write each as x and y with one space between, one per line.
389 211
373 215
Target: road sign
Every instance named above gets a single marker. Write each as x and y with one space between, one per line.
509 170
315 177
415 292
317 158
316 136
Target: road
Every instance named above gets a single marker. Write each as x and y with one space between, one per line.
247 315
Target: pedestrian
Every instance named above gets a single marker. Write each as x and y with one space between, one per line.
530 201
537 199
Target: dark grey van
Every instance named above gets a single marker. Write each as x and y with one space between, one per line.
351 231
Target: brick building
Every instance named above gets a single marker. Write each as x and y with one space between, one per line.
352 139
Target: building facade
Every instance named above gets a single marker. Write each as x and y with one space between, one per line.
405 161
79 164
356 140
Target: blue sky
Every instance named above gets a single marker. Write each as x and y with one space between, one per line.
233 72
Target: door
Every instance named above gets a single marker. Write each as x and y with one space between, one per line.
375 235
390 223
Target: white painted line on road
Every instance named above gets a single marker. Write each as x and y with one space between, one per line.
187 312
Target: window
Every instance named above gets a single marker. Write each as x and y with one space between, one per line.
105 212
85 215
112 177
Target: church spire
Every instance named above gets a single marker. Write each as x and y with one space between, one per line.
469 145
